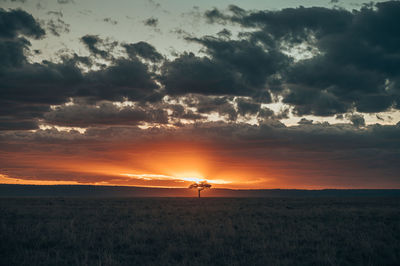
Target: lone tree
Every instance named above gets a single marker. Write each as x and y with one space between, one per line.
200 186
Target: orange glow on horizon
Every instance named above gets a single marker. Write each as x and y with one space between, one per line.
158 164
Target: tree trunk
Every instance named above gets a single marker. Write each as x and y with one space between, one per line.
199 193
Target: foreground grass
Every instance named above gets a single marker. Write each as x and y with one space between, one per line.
203 231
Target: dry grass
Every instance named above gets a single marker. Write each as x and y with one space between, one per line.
207 231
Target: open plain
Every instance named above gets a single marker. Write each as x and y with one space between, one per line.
206 231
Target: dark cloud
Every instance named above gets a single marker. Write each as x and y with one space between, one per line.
255 66
57 26
12 52
41 83
232 68
63 2
15 25
306 136
91 42
354 68
98 46
358 61
154 3
339 117
379 118
111 21
106 113
20 1
216 16
318 154
207 105
357 120
305 121
143 50
56 13
12 124
225 33
15 22
31 89
246 106
265 114
192 74
151 22
28 89
179 111
52 83
293 25
130 79
310 101
74 59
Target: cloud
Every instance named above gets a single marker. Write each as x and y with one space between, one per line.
63 2
305 121
141 108
151 22
246 106
347 156
56 13
216 16
94 42
357 120
46 83
232 68
12 52
124 79
179 111
111 21
52 84
20 1
192 74
257 66
12 124
28 89
16 21
309 101
225 33
57 26
16 27
357 59
206 105
143 50
230 77
105 113
335 80
154 3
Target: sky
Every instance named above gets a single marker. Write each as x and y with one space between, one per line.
242 94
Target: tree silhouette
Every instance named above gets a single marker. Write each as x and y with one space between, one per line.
200 186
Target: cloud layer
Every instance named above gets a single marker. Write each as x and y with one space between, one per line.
122 101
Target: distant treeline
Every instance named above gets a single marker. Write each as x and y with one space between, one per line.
7 190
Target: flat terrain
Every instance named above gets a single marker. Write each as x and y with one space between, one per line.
206 231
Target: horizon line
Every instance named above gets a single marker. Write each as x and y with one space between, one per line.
220 188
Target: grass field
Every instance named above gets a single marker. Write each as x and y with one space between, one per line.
206 231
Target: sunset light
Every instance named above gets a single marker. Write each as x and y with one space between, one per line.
260 96
199 132
180 178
